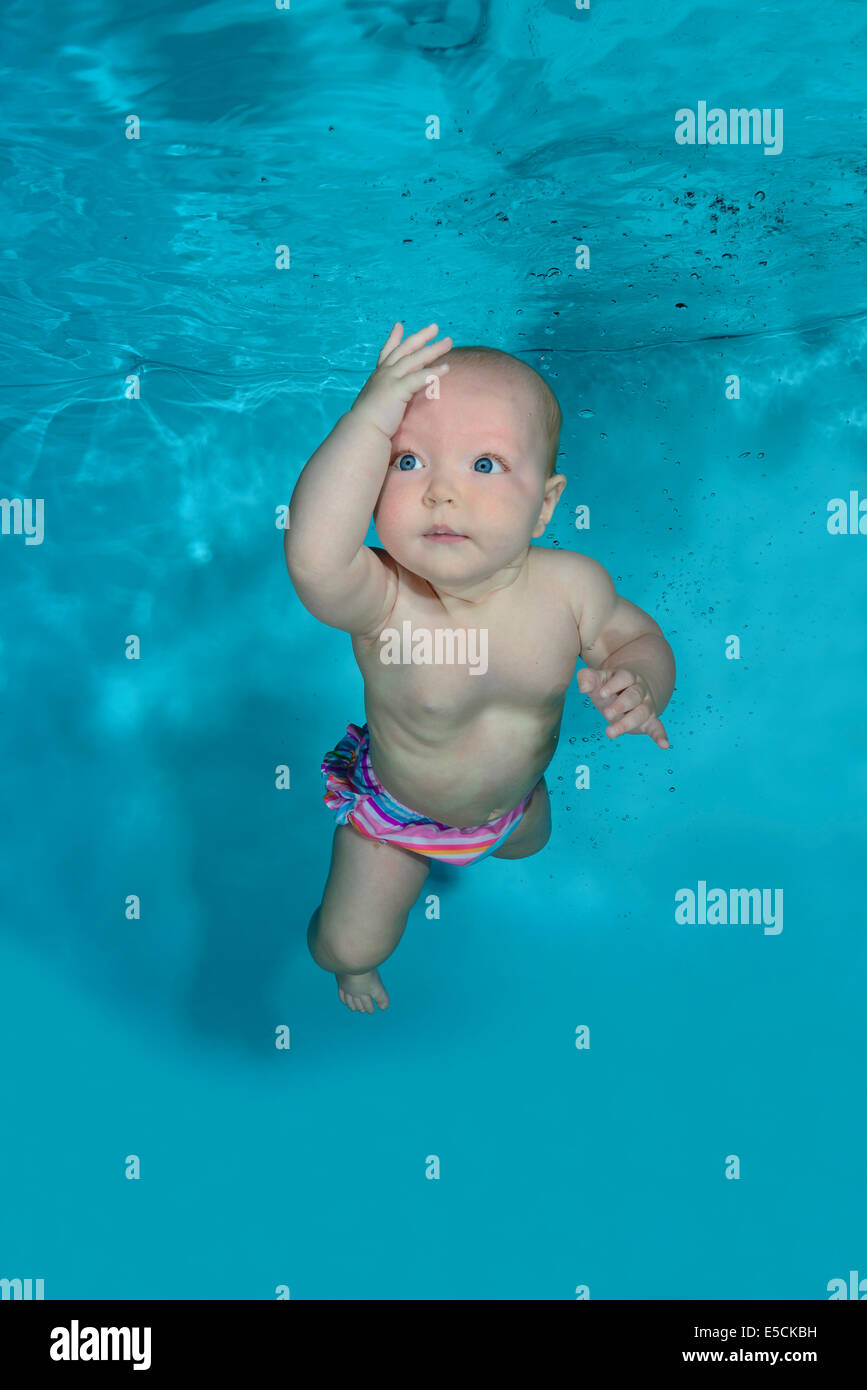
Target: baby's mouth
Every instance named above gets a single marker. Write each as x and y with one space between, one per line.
444 534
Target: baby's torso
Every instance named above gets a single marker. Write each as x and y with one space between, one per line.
464 712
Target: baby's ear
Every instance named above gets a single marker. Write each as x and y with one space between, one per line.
553 490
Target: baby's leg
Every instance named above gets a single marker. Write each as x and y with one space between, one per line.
532 831
370 889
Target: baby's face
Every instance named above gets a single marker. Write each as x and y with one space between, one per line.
475 461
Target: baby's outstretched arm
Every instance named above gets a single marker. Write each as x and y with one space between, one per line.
337 577
632 666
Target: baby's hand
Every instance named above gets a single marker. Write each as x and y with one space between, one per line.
401 371
633 701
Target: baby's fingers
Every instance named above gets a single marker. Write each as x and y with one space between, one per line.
631 723
657 733
414 341
391 342
421 357
414 381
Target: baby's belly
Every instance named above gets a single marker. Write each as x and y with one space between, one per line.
467 772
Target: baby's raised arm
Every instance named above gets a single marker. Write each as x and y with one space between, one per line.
337 577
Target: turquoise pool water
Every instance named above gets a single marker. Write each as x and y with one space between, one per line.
153 260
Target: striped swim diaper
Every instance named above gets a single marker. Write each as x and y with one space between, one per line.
357 797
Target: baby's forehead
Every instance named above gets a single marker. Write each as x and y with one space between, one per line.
476 398
494 421
490 385
481 374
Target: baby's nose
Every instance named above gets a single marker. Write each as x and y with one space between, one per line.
441 488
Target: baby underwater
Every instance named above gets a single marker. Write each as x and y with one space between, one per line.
453 452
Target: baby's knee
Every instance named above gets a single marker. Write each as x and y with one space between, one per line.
341 948
321 944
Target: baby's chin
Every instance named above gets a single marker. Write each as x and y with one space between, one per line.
447 563
426 557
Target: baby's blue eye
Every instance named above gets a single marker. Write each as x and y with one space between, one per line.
407 459
492 465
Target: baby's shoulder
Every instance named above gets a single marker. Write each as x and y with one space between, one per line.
576 578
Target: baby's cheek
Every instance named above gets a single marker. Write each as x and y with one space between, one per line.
508 518
383 501
389 512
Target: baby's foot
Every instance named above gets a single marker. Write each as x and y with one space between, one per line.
359 991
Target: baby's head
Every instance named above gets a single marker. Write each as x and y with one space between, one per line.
479 459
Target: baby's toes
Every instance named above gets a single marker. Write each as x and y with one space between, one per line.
359 999
355 1002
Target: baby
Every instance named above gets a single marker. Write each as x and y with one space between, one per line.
450 764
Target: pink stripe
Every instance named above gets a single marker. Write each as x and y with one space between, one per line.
453 845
